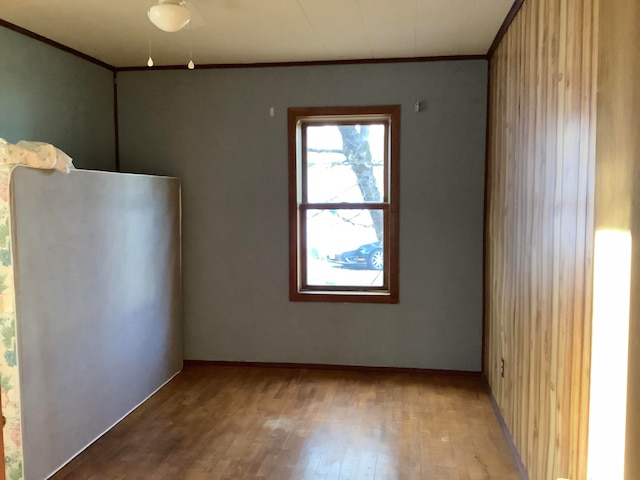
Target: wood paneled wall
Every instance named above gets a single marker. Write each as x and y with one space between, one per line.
539 231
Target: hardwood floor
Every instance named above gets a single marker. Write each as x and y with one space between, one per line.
214 422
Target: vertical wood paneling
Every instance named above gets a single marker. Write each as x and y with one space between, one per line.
539 231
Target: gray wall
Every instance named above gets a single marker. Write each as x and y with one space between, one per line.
52 96
212 129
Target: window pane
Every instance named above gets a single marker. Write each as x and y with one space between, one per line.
343 248
345 163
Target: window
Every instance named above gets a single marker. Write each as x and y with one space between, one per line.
343 204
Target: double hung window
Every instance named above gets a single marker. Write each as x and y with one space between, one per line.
343 203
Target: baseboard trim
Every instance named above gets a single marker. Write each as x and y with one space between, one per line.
524 475
322 366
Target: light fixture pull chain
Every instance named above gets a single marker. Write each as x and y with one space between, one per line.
150 61
190 65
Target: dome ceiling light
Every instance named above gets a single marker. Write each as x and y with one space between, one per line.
169 15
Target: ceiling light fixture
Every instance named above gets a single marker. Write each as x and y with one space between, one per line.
169 15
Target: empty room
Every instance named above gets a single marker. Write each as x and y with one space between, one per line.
320 239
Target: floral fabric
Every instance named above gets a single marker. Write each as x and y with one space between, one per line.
9 378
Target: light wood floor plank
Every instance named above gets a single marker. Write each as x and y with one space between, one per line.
214 422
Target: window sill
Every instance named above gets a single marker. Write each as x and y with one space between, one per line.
343 296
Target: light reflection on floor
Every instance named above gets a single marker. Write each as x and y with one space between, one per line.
417 435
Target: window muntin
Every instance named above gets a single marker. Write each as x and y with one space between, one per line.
344 204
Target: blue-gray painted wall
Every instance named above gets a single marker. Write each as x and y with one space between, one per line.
212 129
52 96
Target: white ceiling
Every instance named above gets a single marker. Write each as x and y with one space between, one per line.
119 33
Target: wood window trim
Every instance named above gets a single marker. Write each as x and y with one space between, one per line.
333 115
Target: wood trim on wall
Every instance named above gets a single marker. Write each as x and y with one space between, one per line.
320 366
507 435
511 15
64 48
539 231
116 128
363 61
485 210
